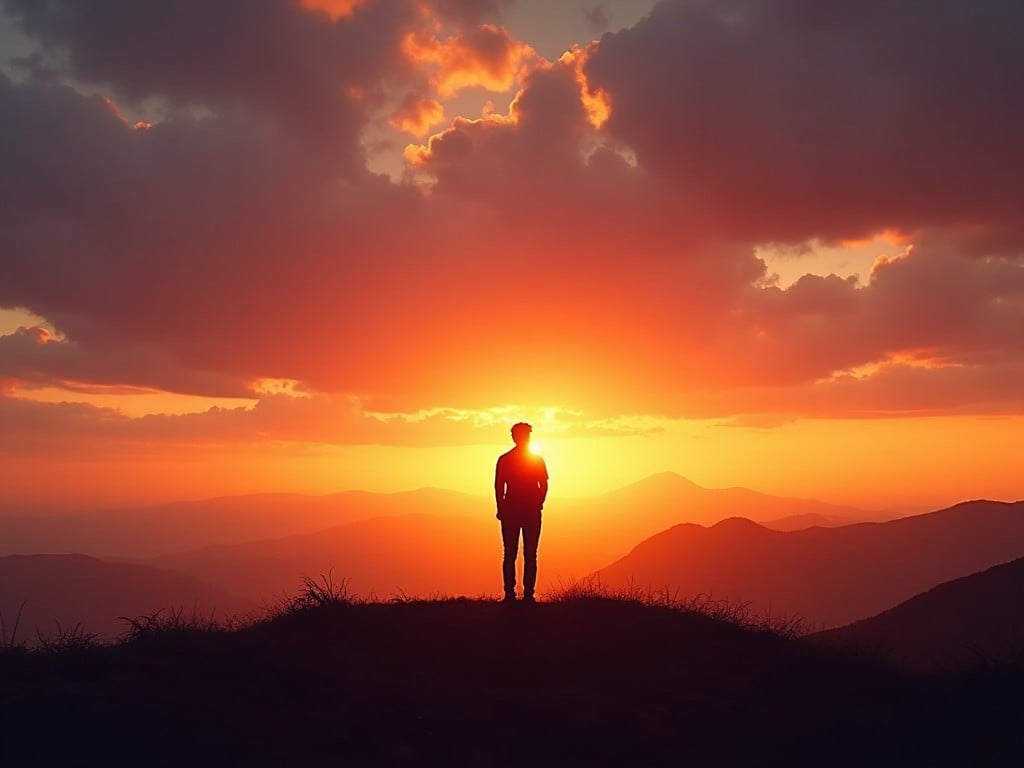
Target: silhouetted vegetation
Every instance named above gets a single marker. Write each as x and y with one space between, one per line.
586 676
174 621
731 611
9 637
71 639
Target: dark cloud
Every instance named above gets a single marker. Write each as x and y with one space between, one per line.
895 390
597 18
469 13
32 357
800 118
312 77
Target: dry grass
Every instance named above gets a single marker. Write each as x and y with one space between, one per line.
69 639
173 621
10 642
316 595
731 611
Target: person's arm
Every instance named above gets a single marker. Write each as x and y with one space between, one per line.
499 488
542 483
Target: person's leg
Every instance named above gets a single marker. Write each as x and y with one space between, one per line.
531 538
510 542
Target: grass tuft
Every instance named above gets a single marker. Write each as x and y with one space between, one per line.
69 639
313 595
10 642
175 621
731 611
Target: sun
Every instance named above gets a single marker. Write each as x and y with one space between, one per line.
535 448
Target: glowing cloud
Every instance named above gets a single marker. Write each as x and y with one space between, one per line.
417 116
335 9
486 57
595 101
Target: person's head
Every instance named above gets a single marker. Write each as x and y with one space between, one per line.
521 434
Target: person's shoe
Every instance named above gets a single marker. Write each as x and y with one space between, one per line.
529 599
510 597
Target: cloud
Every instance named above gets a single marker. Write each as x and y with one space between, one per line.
33 357
597 18
417 115
334 9
485 56
313 77
892 390
830 119
593 247
466 13
279 420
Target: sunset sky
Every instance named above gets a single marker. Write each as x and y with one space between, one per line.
314 245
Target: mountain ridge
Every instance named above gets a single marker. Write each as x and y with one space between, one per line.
829 576
977 616
72 589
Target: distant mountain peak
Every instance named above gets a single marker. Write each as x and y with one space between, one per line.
663 481
737 523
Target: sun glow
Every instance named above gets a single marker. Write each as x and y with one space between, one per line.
535 448
334 9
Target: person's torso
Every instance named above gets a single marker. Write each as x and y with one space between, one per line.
522 472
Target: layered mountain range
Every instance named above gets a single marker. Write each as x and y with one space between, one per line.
828 564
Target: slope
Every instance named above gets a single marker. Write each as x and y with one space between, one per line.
591 682
166 528
76 589
976 616
416 554
450 543
830 576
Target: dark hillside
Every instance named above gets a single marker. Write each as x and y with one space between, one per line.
586 682
977 616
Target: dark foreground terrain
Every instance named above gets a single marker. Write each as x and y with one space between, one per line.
464 682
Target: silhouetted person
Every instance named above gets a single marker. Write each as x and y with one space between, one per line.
520 487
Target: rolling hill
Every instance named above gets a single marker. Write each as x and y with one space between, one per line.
830 576
980 616
424 553
808 520
76 589
460 682
417 554
605 525
152 531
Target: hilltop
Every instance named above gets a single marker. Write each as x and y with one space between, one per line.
465 682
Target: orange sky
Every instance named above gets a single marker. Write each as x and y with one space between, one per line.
686 241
